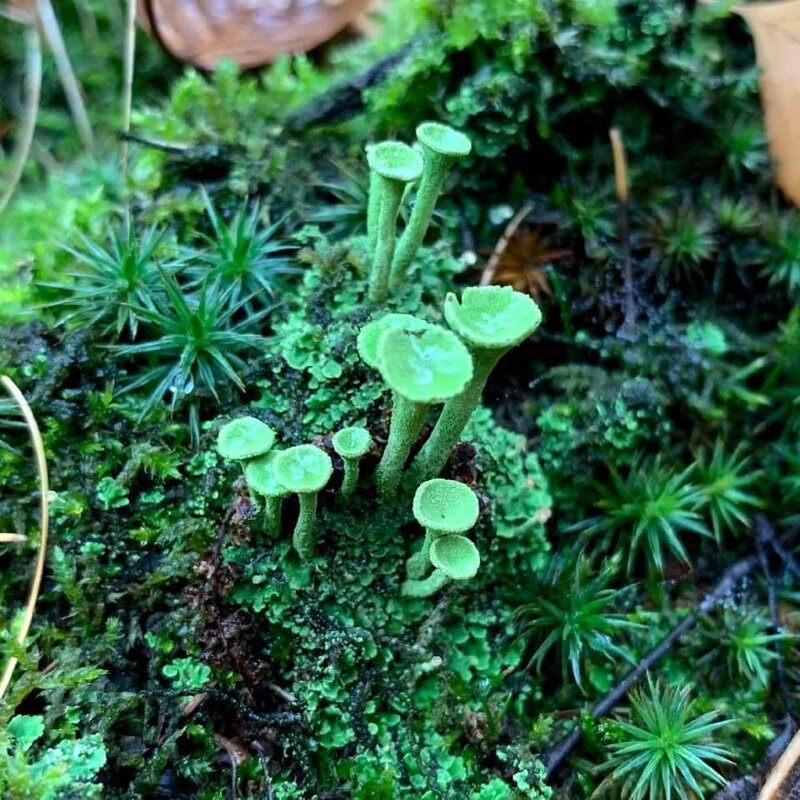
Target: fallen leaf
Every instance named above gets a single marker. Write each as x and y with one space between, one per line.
776 32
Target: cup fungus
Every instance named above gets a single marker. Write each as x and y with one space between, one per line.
351 444
245 437
491 320
393 165
441 146
442 507
305 470
260 476
421 367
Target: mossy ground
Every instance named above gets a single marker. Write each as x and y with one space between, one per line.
179 651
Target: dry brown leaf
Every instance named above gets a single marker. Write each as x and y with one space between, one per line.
776 31
251 32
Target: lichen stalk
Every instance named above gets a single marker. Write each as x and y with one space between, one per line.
427 587
455 415
303 538
373 210
419 563
430 187
272 514
407 421
391 194
351 471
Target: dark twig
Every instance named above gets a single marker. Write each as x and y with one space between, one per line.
765 535
554 757
347 99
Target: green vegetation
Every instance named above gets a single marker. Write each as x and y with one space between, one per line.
331 518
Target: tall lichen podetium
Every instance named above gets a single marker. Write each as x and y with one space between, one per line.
441 147
351 444
491 320
422 364
393 165
441 507
446 509
260 476
304 469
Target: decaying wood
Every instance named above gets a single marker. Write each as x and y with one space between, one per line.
776 32
251 32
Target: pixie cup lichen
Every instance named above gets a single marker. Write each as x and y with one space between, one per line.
491 320
421 367
351 444
304 470
393 166
243 438
454 557
441 147
260 476
442 507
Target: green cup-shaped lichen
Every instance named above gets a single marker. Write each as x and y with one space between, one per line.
245 437
491 320
351 444
421 367
442 507
393 165
370 334
304 469
441 146
454 557
260 476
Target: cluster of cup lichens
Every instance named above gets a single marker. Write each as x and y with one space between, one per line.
424 365
303 470
395 168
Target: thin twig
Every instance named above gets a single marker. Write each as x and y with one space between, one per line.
554 757
72 90
781 770
44 524
491 266
628 329
127 86
33 92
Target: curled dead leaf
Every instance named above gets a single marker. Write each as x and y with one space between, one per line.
776 33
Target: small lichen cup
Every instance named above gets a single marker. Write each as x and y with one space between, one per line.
421 367
491 320
304 470
393 166
441 147
260 476
244 438
442 507
454 557
351 444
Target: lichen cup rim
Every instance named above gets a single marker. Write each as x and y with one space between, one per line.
492 317
238 428
427 366
346 448
395 161
321 468
456 556
260 475
457 503
369 335
444 140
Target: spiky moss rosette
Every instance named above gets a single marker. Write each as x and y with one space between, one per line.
260 476
421 368
442 507
243 438
305 470
491 320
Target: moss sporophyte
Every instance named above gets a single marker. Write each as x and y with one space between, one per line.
446 509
